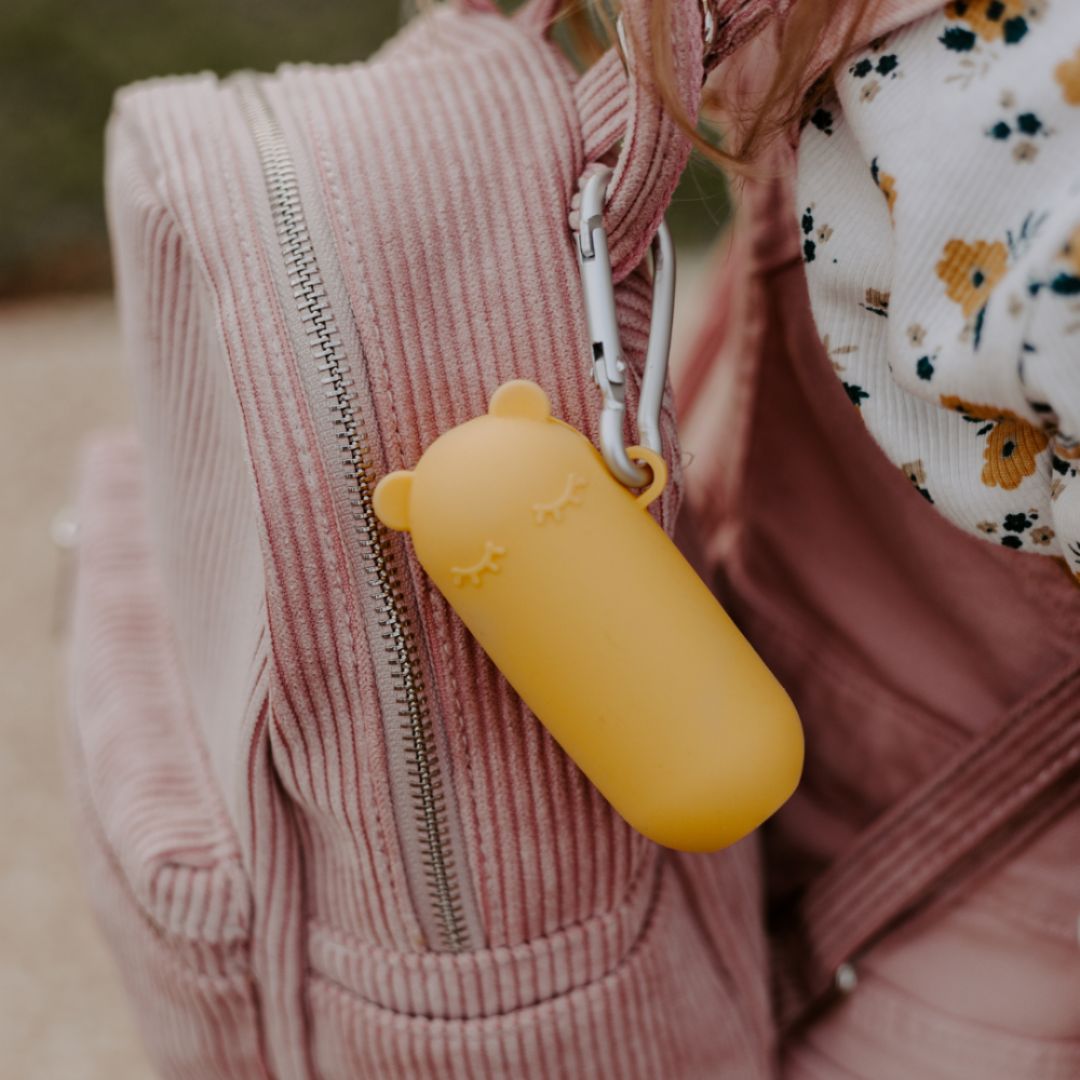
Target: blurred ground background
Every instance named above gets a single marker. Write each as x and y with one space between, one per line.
59 65
62 1016
62 1012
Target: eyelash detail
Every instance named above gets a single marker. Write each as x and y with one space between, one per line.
571 496
473 574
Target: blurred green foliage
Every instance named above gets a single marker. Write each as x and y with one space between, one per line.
61 61
59 65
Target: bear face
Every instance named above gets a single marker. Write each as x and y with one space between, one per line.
521 399
481 485
496 486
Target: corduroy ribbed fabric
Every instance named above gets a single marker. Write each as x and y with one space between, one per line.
159 852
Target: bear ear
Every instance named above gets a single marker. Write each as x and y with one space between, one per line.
520 398
391 500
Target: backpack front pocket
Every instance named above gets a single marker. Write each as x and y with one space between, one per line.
159 852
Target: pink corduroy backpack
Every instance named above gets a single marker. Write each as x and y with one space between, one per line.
324 836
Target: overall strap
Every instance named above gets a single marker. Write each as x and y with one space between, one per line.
992 796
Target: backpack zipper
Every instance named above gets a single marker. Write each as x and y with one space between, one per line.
404 693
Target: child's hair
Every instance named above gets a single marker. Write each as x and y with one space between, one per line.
746 129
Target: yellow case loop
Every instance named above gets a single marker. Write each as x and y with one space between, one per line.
658 479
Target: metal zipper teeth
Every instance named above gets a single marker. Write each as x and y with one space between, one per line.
381 571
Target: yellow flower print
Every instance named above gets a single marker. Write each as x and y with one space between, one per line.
970 272
887 184
993 20
1012 444
1067 74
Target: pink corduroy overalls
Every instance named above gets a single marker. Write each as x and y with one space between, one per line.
929 864
323 835
928 868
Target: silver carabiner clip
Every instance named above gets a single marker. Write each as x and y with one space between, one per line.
609 367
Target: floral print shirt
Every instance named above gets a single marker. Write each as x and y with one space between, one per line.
939 206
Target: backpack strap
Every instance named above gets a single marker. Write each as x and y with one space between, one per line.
998 792
654 150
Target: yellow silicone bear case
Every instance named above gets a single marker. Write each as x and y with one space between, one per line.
599 622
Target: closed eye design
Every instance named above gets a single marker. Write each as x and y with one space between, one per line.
473 575
571 496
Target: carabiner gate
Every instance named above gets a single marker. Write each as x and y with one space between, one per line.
609 367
